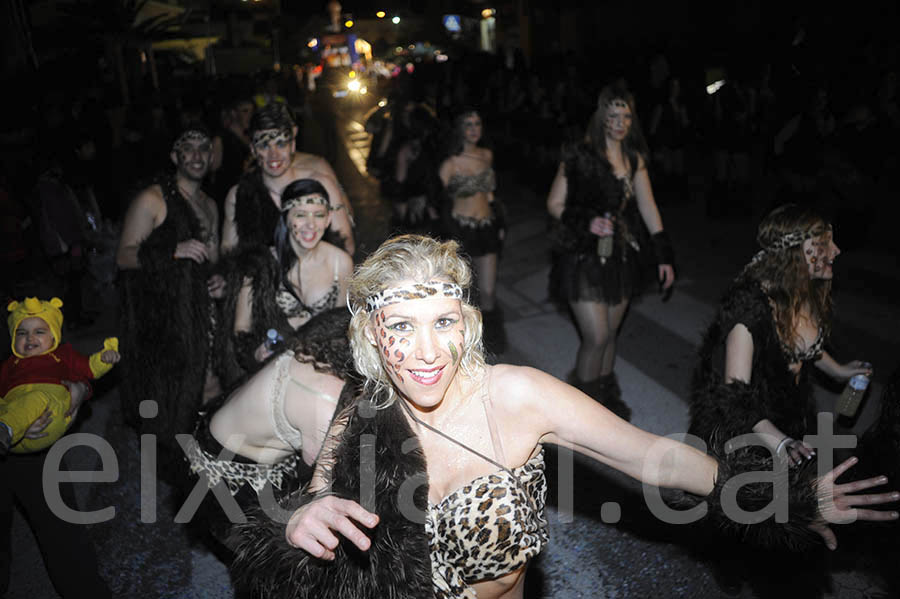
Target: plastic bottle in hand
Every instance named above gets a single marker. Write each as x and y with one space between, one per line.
605 243
273 340
852 395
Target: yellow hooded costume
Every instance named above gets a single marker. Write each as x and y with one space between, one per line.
29 385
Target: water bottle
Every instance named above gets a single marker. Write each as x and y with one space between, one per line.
605 243
273 340
851 396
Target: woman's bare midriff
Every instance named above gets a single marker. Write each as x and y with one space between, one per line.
476 206
508 586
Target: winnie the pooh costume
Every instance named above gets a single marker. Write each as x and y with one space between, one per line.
31 384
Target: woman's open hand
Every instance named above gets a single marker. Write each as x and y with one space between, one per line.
312 527
837 505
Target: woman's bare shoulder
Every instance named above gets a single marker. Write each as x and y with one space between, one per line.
333 252
518 383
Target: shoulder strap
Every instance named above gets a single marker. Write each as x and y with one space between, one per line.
491 421
454 441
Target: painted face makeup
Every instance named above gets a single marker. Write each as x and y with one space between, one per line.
273 149
308 218
193 153
820 252
33 337
618 119
420 342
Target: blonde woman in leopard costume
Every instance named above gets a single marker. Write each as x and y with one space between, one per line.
433 484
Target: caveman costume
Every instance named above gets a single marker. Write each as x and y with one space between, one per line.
30 385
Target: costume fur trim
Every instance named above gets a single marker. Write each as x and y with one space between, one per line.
396 566
753 497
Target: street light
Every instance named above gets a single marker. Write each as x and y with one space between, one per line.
395 20
380 14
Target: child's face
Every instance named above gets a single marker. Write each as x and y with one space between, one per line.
33 337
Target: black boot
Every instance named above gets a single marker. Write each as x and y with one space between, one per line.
605 390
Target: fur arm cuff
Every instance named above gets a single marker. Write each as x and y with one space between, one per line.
722 410
743 505
245 345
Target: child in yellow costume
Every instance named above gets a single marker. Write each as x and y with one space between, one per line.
30 380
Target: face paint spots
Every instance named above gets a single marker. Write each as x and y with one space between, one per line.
819 252
386 342
453 353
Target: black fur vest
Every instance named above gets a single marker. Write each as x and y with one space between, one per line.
378 446
723 411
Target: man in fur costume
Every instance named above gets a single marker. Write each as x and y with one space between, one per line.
169 241
253 205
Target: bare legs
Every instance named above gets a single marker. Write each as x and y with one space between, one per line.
486 271
598 324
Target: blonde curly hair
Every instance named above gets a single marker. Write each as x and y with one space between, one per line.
403 259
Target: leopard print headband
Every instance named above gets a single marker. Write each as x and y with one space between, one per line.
191 135
305 200
264 137
789 240
393 295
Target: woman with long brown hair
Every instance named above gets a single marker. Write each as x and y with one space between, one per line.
603 200
771 327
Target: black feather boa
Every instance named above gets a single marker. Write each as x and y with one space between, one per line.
396 566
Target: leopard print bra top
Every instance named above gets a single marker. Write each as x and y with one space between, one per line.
489 527
464 186
292 306
812 353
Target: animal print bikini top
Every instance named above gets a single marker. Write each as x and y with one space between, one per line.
489 527
464 186
291 306
811 354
